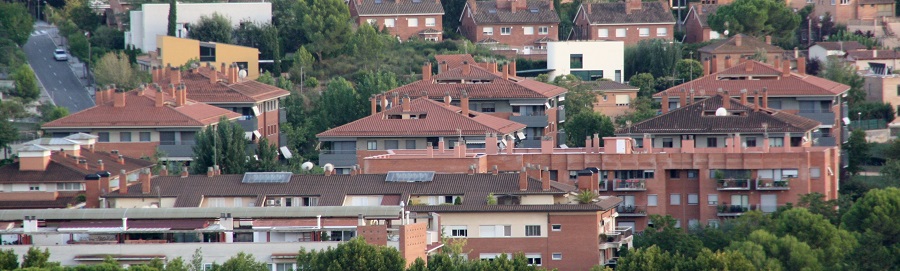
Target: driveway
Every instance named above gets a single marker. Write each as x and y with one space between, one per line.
56 77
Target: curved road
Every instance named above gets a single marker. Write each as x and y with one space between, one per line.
57 77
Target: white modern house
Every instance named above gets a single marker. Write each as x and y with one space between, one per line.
589 60
822 50
152 20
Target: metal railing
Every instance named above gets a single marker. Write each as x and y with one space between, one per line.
620 234
771 184
724 210
631 210
629 184
733 184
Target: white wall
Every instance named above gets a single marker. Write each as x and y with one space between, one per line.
817 52
152 20
607 56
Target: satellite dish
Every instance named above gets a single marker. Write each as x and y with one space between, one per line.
307 166
726 33
242 74
721 112
328 167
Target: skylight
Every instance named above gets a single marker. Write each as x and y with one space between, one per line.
266 177
409 176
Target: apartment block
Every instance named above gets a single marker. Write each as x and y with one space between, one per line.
406 19
630 21
519 27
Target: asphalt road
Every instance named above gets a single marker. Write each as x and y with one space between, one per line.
57 77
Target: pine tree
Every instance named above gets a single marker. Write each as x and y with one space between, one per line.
172 17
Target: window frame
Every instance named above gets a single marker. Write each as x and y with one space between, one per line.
621 32
662 31
412 22
693 199
487 31
430 21
371 145
643 32
505 30
528 30
125 137
543 30
712 199
529 230
675 199
654 202
556 256
604 33
556 227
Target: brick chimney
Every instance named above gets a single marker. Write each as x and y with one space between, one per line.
584 179
213 75
748 66
512 65
35 158
786 67
171 90
119 98
183 93
801 66
447 98
210 172
179 91
726 100
160 96
154 75
765 98
466 69
374 102
99 96
471 4
145 180
464 103
744 96
123 182
523 179
588 8
100 165
545 179
121 159
395 100
682 98
175 75
714 68
164 171
406 103
631 5
184 172
426 71
738 40
706 66
665 102
756 101
505 70
768 40
727 62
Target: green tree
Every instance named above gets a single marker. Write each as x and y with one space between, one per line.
876 212
108 38
172 19
688 69
642 108
243 262
418 265
586 124
114 68
722 260
371 83
267 157
80 12
645 83
857 149
214 28
790 252
196 263
176 264
50 112
15 22
756 254
353 255
872 110
8 133
8 259
13 108
333 105
654 56
651 258
266 78
301 63
78 46
26 84
757 18
325 25
818 233
890 173
264 37
816 204
36 258
667 237
222 144
581 96
368 45
844 73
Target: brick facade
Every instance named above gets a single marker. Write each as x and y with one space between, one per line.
639 17
130 149
406 26
375 235
413 241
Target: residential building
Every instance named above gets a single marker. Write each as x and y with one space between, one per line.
415 124
176 52
273 236
776 88
449 62
874 61
589 60
613 99
496 92
52 173
821 51
137 123
696 27
848 11
532 214
406 19
630 21
520 27
149 22
726 53
697 180
258 104
883 88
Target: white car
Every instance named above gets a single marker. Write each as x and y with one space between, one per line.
60 55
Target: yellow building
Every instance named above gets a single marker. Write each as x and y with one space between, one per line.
178 51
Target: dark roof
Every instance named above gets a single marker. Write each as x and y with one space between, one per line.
873 54
841 45
398 7
440 120
497 88
702 12
872 2
59 203
700 118
66 169
748 45
612 85
488 13
777 84
514 208
332 190
614 13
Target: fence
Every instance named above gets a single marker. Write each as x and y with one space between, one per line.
871 124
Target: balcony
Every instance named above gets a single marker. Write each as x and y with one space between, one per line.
560 114
529 143
824 116
629 185
734 210
249 123
616 238
531 119
631 210
338 158
732 184
182 150
770 184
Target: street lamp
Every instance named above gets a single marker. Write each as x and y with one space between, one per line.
858 120
87 70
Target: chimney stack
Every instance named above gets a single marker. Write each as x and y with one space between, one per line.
121 159
523 179
706 66
465 68
727 62
396 99
213 75
726 99
756 102
505 70
145 180
119 98
164 171
665 102
160 97
768 40
512 64
426 71
765 98
123 182
801 66
210 172
175 76
100 165
447 98
738 40
179 92
464 103
743 96
682 98
374 101
184 172
786 67
406 103
545 179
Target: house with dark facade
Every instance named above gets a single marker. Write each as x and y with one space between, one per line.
630 21
407 19
520 27
696 28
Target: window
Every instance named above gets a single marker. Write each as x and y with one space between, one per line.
528 30
575 61
207 54
310 201
845 2
667 143
488 107
789 173
505 30
68 186
388 22
494 230
693 199
103 137
372 21
145 136
651 200
391 144
712 199
412 22
556 227
662 31
556 256
429 22
620 32
543 30
487 31
372 145
532 230
605 98
674 174
693 223
457 231
281 266
34 187
712 142
740 200
713 223
644 32
675 199
238 202
898 90
693 174
815 172
533 259
410 144
618 75
776 142
604 33
125 137
751 142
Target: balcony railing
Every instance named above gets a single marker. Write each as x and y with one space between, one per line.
629 185
631 210
770 184
619 235
733 184
734 210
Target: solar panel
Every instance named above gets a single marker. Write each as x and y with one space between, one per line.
266 177
409 176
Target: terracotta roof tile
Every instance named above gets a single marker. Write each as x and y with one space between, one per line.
497 88
440 120
200 89
614 13
398 7
841 45
748 45
140 111
454 61
612 85
488 13
65 169
871 54
767 77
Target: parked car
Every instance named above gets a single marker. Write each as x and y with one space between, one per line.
60 55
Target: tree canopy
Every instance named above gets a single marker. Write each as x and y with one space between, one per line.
213 28
115 68
26 84
757 18
15 22
586 124
222 144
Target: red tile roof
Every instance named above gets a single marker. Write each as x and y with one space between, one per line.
65 168
767 76
496 88
200 89
454 61
140 111
872 55
440 120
